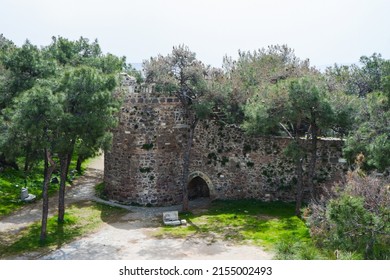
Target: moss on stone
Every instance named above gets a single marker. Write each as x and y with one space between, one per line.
147 146
145 169
224 161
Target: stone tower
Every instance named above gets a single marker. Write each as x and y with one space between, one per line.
144 166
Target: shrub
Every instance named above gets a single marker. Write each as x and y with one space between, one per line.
291 249
354 218
350 223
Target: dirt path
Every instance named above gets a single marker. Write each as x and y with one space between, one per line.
132 237
133 240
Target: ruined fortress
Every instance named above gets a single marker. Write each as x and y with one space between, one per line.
144 166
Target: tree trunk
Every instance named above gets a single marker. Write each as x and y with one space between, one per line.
78 165
27 158
48 170
65 160
64 167
369 250
26 164
186 164
313 161
299 195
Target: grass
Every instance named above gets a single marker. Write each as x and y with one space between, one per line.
272 225
11 182
295 249
80 219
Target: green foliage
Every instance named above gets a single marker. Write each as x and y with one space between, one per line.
26 65
345 109
89 107
58 100
5 44
251 73
78 76
372 134
265 66
344 214
309 104
355 220
295 249
82 52
33 125
11 182
203 109
292 107
179 73
360 80
33 180
295 108
379 151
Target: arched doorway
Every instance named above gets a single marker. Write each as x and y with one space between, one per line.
197 188
200 185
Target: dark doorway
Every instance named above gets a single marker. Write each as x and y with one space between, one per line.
197 188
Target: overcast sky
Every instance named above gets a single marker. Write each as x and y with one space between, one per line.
325 31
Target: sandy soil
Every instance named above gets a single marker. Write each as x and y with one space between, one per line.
134 240
132 236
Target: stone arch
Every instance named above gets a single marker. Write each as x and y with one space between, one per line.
206 179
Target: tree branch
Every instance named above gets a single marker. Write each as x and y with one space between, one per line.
285 129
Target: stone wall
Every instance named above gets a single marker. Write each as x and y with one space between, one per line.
144 165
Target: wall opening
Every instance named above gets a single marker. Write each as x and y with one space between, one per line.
197 188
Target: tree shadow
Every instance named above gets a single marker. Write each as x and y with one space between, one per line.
60 235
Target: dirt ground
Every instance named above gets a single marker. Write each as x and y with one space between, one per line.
132 237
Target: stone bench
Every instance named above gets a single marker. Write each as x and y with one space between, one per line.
25 196
171 218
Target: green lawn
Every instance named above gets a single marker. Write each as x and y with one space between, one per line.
11 182
272 225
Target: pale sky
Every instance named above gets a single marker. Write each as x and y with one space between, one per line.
325 31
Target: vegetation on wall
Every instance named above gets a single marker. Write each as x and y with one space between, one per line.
183 75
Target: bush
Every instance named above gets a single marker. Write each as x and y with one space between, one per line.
350 223
354 219
290 249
